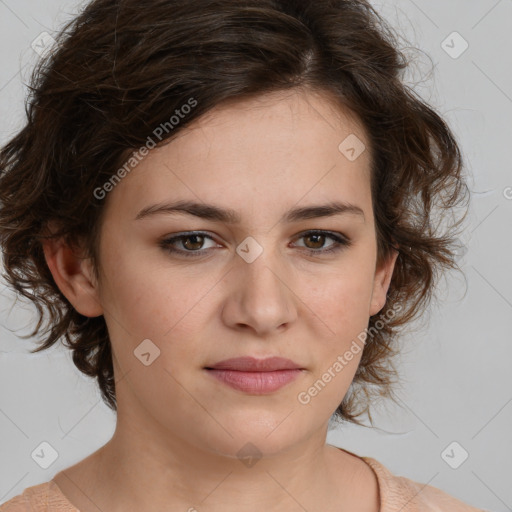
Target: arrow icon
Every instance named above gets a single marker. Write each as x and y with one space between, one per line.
147 352
352 147
454 45
44 455
249 249
454 455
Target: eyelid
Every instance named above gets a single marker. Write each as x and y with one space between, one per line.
326 232
181 235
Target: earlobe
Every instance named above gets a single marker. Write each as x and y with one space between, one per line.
74 277
381 282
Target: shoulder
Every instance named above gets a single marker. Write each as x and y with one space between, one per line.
42 497
400 493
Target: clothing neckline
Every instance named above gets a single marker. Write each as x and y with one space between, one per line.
380 473
61 497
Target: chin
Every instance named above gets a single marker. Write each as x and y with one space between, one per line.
265 436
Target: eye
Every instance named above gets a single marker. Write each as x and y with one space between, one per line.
318 239
191 242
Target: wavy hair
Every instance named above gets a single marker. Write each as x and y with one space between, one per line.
121 68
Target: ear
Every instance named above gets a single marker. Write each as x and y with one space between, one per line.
381 282
74 276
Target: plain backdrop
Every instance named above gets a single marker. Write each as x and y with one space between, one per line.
453 429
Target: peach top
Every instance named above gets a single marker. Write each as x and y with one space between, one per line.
397 494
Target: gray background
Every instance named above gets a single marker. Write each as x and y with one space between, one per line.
457 383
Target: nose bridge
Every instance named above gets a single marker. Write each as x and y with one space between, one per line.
264 274
260 295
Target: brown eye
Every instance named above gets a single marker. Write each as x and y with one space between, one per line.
317 241
192 244
197 242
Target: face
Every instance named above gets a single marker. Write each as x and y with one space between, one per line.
263 284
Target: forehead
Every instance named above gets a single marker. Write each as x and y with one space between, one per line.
292 122
272 149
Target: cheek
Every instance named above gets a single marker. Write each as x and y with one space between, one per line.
343 314
340 302
340 299
145 300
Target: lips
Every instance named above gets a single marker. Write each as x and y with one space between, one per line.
250 364
255 376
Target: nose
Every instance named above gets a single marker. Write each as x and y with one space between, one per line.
259 297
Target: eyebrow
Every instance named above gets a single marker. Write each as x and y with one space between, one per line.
229 216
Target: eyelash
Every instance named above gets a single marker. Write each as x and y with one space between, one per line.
341 242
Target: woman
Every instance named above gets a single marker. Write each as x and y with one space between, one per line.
226 208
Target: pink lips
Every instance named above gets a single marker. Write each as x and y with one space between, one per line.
257 376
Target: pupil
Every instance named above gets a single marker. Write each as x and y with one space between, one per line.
317 236
198 244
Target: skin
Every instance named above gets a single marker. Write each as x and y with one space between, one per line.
178 430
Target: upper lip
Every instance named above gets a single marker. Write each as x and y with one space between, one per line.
250 364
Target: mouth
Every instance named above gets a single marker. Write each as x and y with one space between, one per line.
257 383
251 364
256 376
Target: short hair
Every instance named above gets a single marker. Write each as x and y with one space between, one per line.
122 72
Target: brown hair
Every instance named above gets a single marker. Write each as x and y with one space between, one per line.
120 69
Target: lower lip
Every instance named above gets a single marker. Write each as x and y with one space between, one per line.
256 382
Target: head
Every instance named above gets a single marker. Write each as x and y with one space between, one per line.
256 108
